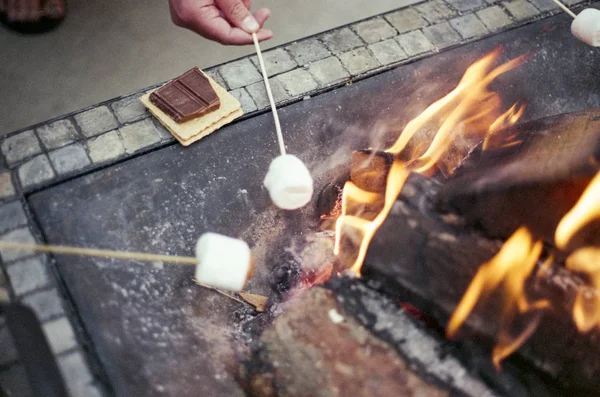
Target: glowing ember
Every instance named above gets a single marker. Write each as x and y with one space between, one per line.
586 210
469 109
510 268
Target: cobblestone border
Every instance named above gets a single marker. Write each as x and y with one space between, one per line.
37 157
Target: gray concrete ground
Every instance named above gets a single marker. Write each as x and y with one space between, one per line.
109 48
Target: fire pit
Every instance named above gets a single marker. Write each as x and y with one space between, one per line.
152 331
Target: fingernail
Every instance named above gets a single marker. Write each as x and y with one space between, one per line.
250 25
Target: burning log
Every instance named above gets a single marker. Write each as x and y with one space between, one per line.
429 259
317 349
369 169
533 184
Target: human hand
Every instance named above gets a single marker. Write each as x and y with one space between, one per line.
225 21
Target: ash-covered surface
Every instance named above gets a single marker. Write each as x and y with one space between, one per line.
316 348
156 332
465 367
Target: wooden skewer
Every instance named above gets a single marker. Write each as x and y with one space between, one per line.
564 8
269 94
99 253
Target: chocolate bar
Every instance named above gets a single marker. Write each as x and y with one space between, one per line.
187 97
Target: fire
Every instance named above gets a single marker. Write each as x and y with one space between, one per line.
516 261
586 210
586 309
510 268
508 119
470 109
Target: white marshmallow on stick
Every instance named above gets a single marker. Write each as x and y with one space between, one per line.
288 180
223 262
586 27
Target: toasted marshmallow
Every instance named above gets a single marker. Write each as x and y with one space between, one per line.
586 27
289 182
223 262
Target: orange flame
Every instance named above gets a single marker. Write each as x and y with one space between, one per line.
508 119
469 107
510 268
586 309
513 265
586 210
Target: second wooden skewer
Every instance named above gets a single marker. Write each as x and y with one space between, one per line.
263 69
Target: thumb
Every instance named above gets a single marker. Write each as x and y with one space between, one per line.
237 14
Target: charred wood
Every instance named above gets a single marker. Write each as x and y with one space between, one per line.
428 259
532 184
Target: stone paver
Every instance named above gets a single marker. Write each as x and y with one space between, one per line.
387 52
239 73
28 275
69 158
374 30
341 40
544 5
163 132
22 235
11 216
57 134
19 147
259 94
494 18
45 304
358 61
442 35
246 101
35 171
435 11
520 9
129 109
75 372
297 82
468 26
466 5
328 71
60 335
406 20
96 121
415 43
14 382
139 135
7 347
216 76
276 61
307 51
105 147
7 189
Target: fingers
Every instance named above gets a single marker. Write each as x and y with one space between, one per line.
237 36
238 15
221 20
262 15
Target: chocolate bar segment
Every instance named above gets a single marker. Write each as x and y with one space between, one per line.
188 96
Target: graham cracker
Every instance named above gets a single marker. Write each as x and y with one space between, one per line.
196 129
